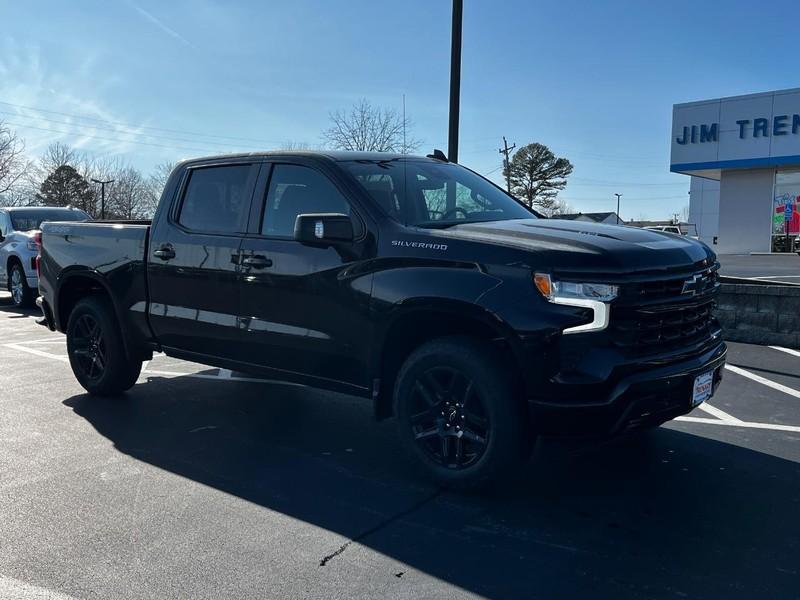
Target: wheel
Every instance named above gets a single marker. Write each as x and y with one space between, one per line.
96 352
21 294
458 413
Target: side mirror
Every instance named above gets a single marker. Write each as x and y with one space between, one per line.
323 228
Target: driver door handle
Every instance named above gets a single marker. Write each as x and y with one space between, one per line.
256 262
165 252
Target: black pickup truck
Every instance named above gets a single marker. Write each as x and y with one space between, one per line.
410 281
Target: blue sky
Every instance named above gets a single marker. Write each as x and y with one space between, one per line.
153 81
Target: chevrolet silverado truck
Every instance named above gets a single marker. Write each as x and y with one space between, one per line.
410 281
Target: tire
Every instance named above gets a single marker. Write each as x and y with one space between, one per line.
458 414
96 352
21 295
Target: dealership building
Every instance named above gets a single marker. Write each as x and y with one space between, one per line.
743 156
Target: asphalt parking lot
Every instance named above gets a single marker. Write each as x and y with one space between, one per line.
201 484
775 268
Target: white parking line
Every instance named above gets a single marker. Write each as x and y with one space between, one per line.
763 381
787 350
14 589
747 424
722 418
720 414
36 352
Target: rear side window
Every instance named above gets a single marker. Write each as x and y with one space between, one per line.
297 190
217 199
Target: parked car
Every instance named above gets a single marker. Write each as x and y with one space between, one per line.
668 228
410 281
19 247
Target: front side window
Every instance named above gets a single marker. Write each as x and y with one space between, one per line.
426 193
297 190
217 199
3 225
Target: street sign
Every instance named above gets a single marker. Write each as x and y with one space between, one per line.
788 212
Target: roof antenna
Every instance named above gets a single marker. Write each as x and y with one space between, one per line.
405 148
438 155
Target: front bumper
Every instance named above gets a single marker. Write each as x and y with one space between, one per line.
639 400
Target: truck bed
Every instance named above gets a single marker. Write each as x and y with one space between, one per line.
114 252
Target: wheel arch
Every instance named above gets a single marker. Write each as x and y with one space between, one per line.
78 283
409 327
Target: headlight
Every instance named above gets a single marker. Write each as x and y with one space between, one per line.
595 296
33 246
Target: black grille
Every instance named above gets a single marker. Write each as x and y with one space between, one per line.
694 285
665 314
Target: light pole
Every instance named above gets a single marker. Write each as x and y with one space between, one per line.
618 197
103 196
455 80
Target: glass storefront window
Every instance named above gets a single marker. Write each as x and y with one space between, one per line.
785 205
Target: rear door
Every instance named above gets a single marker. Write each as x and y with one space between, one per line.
193 259
305 308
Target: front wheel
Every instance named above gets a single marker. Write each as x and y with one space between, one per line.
96 352
21 293
459 415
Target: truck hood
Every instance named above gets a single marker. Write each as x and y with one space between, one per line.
576 246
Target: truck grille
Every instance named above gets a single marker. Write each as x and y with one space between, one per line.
666 314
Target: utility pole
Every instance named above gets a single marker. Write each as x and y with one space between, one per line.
103 196
505 150
618 197
455 80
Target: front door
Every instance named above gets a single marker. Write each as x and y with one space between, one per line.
305 308
193 260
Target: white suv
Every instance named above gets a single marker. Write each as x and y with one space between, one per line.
19 247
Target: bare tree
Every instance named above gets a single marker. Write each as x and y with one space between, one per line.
293 145
558 207
128 197
14 166
154 186
371 128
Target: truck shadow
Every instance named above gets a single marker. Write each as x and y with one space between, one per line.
670 513
7 306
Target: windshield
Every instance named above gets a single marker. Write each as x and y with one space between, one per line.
31 219
433 194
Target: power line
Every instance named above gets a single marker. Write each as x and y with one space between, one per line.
124 124
108 139
607 183
115 130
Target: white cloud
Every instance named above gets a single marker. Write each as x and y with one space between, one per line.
77 115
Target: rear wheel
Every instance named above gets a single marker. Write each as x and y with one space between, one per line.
458 413
21 293
96 352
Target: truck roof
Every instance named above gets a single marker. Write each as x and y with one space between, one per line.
336 155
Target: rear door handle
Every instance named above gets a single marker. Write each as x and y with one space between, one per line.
165 252
256 262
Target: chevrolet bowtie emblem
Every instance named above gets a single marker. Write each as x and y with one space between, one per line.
693 285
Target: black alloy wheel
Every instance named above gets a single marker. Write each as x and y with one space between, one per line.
96 349
88 347
449 420
460 414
